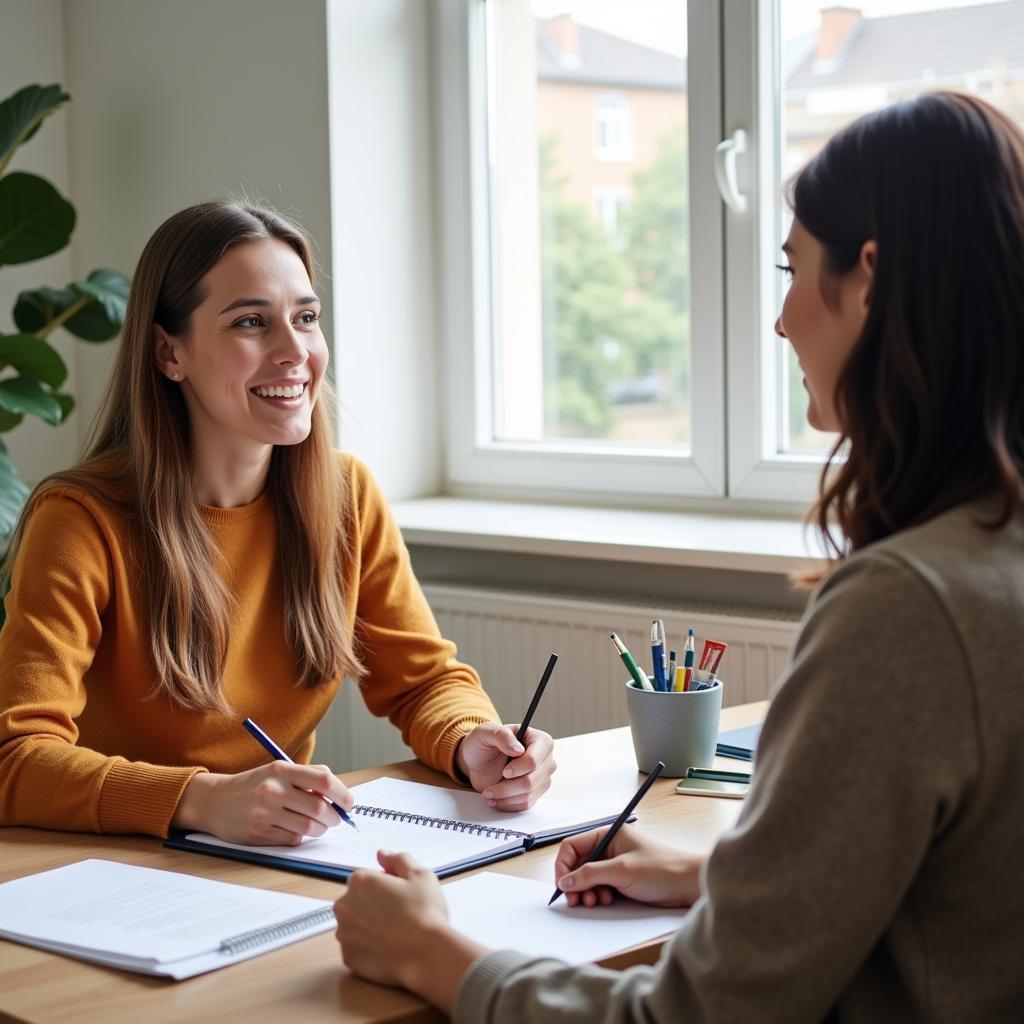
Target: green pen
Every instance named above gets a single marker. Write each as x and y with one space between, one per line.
627 659
716 775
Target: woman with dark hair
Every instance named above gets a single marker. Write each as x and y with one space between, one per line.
213 558
874 872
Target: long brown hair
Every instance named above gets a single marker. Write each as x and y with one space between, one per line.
931 398
140 448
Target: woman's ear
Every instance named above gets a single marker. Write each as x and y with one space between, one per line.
165 351
866 262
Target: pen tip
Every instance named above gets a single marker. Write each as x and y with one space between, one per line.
558 892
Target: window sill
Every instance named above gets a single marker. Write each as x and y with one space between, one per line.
698 540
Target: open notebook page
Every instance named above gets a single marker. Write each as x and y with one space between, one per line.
344 847
506 912
547 817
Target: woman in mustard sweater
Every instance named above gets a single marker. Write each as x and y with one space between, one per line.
213 558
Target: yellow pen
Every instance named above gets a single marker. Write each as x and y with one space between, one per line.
680 683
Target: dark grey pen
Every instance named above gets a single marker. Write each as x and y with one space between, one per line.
607 838
537 694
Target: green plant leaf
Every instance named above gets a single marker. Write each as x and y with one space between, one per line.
24 395
9 420
66 403
33 357
13 494
35 220
102 319
34 309
106 292
22 113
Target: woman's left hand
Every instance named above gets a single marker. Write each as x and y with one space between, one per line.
482 757
393 929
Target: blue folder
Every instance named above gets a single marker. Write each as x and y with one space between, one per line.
739 743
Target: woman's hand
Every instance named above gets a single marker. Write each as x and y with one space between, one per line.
635 866
276 804
482 755
393 929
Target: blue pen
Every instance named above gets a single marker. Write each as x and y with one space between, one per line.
658 653
688 651
278 754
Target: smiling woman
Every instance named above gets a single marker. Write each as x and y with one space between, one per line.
211 559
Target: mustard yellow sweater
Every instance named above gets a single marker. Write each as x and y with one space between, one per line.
83 744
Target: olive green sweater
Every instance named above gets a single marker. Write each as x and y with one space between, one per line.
876 872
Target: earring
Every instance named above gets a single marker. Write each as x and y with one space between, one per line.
174 375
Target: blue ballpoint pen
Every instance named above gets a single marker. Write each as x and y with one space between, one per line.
658 653
278 754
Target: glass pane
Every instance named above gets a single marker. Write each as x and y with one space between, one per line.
840 62
589 230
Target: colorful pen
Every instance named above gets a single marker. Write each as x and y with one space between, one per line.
278 754
607 838
658 653
627 659
688 656
671 675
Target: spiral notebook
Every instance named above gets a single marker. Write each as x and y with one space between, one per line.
150 921
446 830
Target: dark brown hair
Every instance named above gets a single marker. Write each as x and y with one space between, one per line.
931 399
139 462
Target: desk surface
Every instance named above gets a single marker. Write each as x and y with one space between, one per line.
306 981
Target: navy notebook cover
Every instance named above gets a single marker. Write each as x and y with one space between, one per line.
739 743
178 841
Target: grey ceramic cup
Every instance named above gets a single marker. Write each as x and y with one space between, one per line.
680 729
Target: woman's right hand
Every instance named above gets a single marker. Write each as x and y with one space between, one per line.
635 865
276 804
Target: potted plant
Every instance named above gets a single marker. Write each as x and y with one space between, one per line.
36 221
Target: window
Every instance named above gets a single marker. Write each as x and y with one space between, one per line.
612 126
610 289
611 206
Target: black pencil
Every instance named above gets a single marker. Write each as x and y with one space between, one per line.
538 693
607 838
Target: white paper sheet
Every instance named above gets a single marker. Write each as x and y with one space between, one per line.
505 912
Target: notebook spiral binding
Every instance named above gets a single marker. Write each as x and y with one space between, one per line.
261 936
489 831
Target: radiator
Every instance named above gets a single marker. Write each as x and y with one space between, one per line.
507 636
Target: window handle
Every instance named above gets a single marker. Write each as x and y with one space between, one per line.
725 170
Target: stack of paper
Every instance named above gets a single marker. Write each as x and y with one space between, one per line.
153 922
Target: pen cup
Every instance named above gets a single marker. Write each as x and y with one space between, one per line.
680 729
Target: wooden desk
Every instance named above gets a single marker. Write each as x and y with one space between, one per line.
306 981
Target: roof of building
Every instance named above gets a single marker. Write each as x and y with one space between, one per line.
609 60
940 46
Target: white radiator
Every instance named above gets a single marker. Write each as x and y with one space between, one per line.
507 636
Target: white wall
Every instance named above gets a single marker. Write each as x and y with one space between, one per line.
174 103
32 52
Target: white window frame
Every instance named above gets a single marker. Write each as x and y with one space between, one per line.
753 102
730 461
